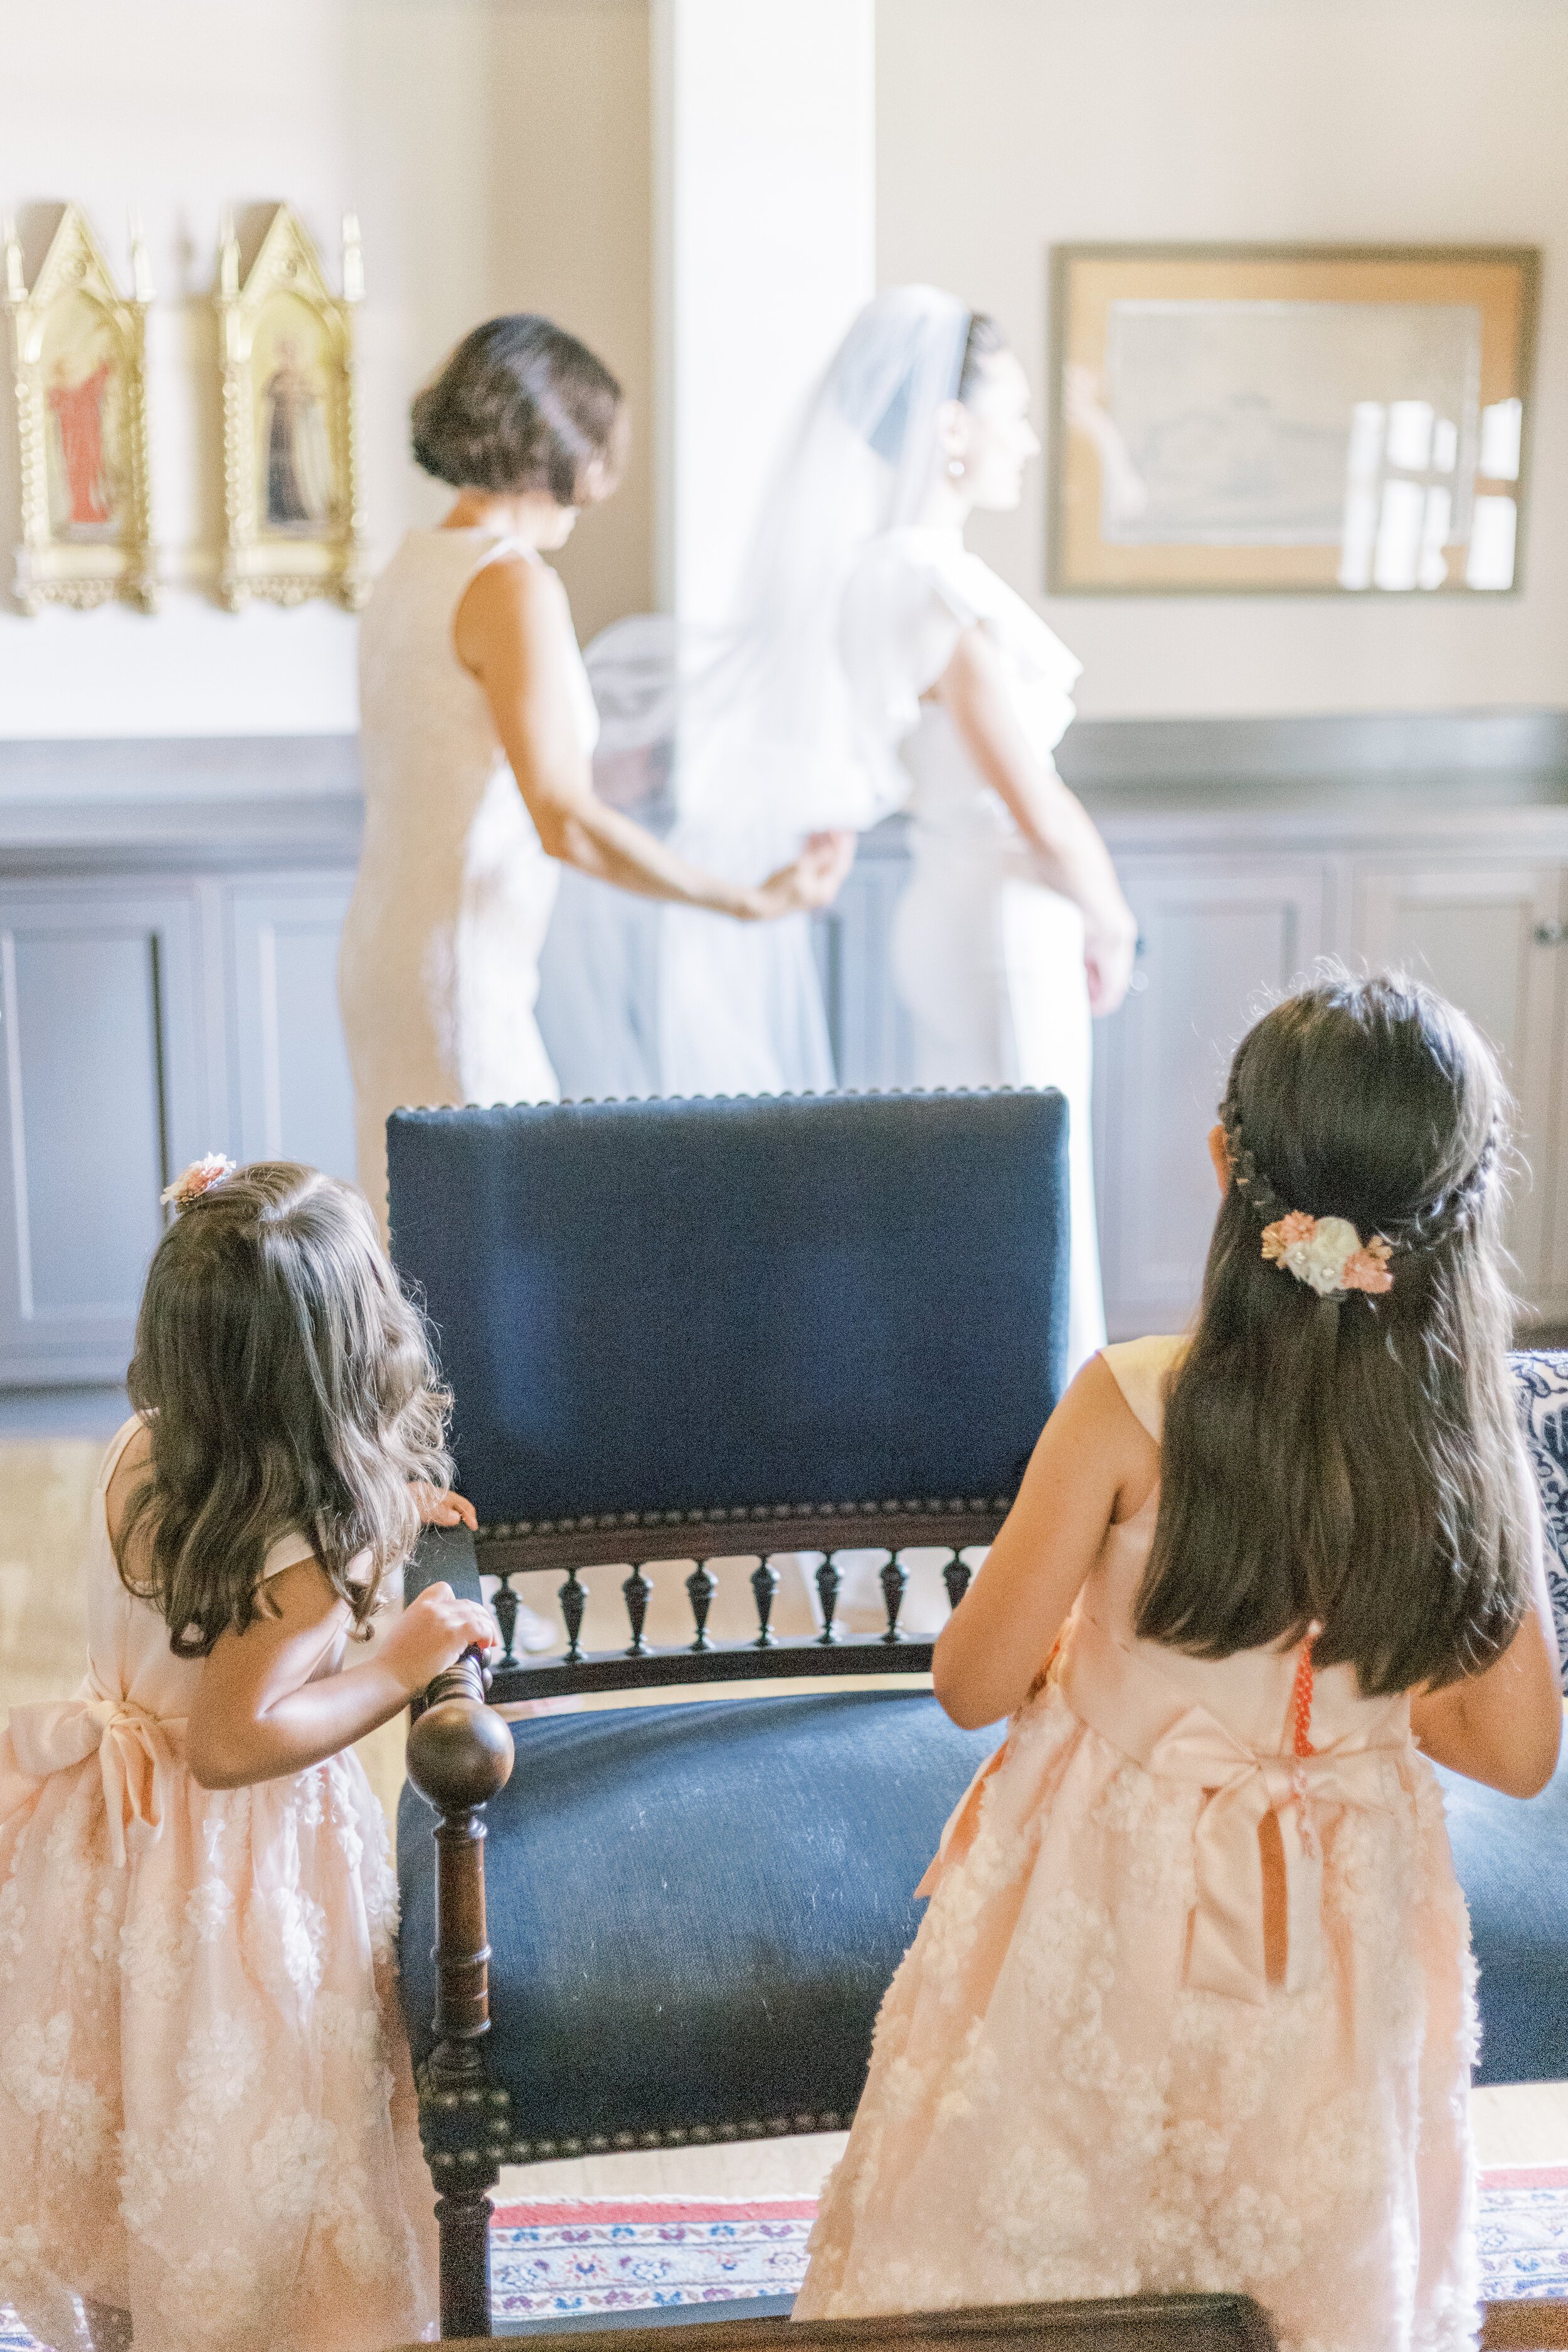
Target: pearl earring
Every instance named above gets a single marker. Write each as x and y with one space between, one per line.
955 467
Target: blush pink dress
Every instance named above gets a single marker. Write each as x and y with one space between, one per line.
1092 2075
207 2109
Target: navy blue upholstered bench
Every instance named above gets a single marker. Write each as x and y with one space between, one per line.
668 1328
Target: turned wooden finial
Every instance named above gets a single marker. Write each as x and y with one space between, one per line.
460 1751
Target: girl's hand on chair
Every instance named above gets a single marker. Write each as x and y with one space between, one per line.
443 1507
432 1634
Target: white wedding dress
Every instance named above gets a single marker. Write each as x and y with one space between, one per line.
439 968
987 957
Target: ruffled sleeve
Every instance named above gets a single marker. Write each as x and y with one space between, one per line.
912 596
904 611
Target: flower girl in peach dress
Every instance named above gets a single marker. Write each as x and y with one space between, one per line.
207 2116
1191 2005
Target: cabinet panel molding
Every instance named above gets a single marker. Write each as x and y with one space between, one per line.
103 1098
292 1094
1490 937
1220 939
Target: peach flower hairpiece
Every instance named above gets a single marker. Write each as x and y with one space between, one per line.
1328 1253
199 1178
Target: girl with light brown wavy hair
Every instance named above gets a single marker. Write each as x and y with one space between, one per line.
207 2116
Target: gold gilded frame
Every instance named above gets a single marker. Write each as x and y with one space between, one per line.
254 560
51 567
1499 282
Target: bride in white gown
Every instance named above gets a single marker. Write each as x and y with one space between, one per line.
876 663
1012 929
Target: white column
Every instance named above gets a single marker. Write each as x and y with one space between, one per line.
764 226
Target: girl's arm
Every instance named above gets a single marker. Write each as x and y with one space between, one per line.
1052 820
1095 1465
256 1714
1504 1727
508 632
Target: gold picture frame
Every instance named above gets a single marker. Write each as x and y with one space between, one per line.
78 357
1290 420
290 459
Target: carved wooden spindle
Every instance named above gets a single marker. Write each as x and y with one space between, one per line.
636 1590
574 1599
505 1606
893 1579
827 1584
459 1756
956 1576
765 1584
700 1588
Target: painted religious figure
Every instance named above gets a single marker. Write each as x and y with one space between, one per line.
296 470
292 527
81 391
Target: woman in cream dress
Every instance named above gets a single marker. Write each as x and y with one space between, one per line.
477 726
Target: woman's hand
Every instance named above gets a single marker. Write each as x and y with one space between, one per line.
442 1507
1109 953
810 881
432 1634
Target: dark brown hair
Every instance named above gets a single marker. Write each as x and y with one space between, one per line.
288 1388
982 343
521 405
1351 1459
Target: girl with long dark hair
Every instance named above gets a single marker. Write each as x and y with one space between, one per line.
1192 2007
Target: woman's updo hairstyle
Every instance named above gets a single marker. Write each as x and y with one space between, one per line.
984 342
521 405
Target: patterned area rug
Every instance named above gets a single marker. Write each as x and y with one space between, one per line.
578 2257
588 2255
1522 2232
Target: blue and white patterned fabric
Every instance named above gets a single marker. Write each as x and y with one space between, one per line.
1542 1380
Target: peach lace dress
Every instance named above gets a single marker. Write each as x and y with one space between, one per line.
1094 2076
206 2111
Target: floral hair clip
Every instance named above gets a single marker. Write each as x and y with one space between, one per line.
199 1178
1328 1253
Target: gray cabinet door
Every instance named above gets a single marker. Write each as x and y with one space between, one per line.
103 1101
1488 933
1220 936
854 942
292 1095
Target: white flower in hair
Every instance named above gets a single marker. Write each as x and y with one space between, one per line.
1327 1254
199 1178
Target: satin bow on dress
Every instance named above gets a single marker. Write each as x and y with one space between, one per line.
136 1751
1122 1695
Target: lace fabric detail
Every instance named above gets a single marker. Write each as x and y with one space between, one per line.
1052 2113
203 2076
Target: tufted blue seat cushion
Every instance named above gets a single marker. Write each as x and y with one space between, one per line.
694 1910
1512 1862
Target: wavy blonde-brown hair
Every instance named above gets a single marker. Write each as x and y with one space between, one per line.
287 1386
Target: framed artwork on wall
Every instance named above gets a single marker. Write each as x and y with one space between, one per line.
1242 419
78 373
291 467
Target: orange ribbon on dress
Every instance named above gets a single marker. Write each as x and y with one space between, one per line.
136 1752
1122 1695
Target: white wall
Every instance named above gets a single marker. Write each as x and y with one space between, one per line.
764 192
183 107
571 235
1004 126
